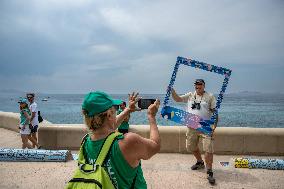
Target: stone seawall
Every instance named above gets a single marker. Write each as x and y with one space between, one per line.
228 140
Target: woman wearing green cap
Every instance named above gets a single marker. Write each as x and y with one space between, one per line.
24 123
123 163
25 119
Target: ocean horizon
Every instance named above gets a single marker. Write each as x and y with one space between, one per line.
244 109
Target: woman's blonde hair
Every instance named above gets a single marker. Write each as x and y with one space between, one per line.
94 122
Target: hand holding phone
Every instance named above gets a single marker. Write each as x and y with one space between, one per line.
153 109
145 103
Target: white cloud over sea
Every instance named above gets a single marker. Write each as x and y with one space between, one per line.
117 46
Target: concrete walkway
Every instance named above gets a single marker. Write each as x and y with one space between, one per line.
163 171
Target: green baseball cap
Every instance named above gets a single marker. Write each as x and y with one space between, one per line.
23 101
98 102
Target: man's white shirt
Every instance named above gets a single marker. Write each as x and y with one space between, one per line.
207 101
33 108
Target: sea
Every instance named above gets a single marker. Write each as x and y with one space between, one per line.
245 109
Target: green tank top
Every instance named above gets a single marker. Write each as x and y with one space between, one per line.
121 173
23 119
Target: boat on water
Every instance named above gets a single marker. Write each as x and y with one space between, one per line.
44 99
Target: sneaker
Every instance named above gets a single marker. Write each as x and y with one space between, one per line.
198 165
210 177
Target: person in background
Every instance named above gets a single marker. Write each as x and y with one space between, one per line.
34 118
123 128
24 123
124 162
25 131
202 104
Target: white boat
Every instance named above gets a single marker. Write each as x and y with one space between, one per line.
45 99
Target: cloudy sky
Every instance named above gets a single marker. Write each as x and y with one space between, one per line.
76 46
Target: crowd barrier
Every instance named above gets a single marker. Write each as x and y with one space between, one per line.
228 140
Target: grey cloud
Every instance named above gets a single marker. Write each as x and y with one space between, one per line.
97 44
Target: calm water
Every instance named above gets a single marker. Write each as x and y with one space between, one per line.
237 110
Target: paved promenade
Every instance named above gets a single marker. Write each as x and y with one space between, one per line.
163 171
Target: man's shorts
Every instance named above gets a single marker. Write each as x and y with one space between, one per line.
34 129
193 137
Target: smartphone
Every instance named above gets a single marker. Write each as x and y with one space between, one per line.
145 103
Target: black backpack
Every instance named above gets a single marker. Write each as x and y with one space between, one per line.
40 119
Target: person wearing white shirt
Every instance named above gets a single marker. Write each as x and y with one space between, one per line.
202 104
34 118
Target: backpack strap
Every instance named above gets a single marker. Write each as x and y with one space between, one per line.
81 158
106 147
84 139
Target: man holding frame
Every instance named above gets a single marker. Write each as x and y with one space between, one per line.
196 120
202 104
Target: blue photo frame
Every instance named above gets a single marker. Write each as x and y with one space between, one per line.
188 119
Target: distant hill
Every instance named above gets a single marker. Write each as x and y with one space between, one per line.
254 93
249 92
